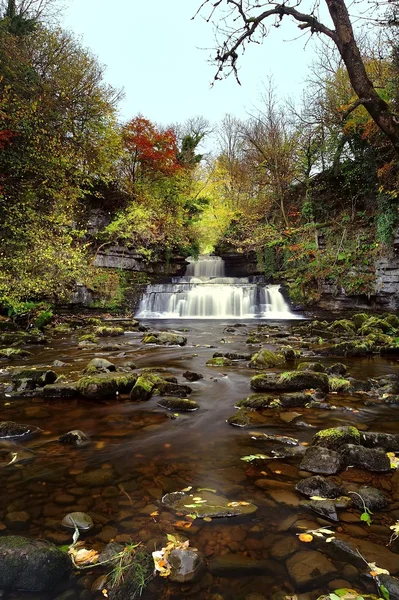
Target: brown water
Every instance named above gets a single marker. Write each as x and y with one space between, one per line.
145 452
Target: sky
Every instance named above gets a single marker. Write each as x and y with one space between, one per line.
159 56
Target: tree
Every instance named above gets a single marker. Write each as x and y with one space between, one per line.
245 21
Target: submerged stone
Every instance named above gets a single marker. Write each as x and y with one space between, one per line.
32 378
75 438
31 565
99 365
369 496
311 366
318 486
59 390
10 429
310 568
238 565
191 376
373 439
206 504
188 565
219 361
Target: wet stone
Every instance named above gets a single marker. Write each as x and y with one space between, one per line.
294 399
212 505
59 390
107 534
179 404
335 437
371 459
310 568
81 520
188 565
191 376
96 478
325 508
388 441
285 547
318 486
75 438
370 496
321 460
10 429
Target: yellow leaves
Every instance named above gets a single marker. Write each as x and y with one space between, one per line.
82 556
238 504
376 571
305 537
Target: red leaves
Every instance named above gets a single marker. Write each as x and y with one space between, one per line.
6 136
153 149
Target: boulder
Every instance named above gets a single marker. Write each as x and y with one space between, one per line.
188 565
178 404
31 565
164 339
294 399
219 361
321 460
311 366
238 565
75 438
337 369
144 387
255 402
30 379
265 359
191 376
294 381
369 496
318 486
371 459
14 353
388 441
99 365
335 437
59 390
12 430
343 326
104 331
349 348
105 385
81 520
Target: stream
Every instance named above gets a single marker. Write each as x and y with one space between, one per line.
139 451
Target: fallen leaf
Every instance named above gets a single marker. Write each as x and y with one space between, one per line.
207 519
305 537
154 514
187 489
183 524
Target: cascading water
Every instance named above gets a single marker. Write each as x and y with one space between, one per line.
205 293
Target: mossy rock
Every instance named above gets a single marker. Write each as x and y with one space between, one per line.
104 331
62 328
212 505
164 339
290 353
88 337
59 390
393 320
293 381
14 353
178 404
99 365
252 340
337 369
311 366
166 387
264 359
144 387
335 437
378 339
295 399
255 402
219 361
339 384
359 319
350 348
373 324
245 417
343 325
33 378
22 337
105 385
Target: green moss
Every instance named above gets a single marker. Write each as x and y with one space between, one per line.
338 384
335 437
343 325
252 340
88 337
393 320
265 359
240 419
144 387
14 353
105 385
359 319
350 348
255 402
373 324
149 339
219 361
178 404
290 353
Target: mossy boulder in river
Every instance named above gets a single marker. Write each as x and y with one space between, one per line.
371 459
335 437
219 361
14 353
164 339
321 460
349 348
31 565
32 378
359 319
179 404
144 387
311 366
99 365
373 324
206 504
293 381
255 402
105 385
343 326
264 359
104 331
23 337
59 390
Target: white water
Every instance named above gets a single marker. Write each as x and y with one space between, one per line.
205 293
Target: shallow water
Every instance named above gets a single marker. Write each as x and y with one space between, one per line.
145 452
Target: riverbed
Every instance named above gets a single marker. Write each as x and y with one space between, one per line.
141 451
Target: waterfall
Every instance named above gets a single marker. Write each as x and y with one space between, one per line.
206 293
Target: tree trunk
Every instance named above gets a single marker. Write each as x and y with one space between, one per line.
345 40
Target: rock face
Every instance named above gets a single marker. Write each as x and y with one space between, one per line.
187 564
31 565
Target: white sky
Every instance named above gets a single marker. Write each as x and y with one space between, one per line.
160 57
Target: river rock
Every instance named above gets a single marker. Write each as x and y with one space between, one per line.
191 376
372 439
321 460
311 366
255 402
14 353
285 547
75 438
370 496
325 508
265 359
188 565
81 520
144 387
220 361
335 437
59 390
12 430
99 365
295 399
294 381
104 331
30 379
392 585
31 565
178 404
371 459
309 568
95 478
164 339
338 369
344 549
105 385
171 388
206 504
318 486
